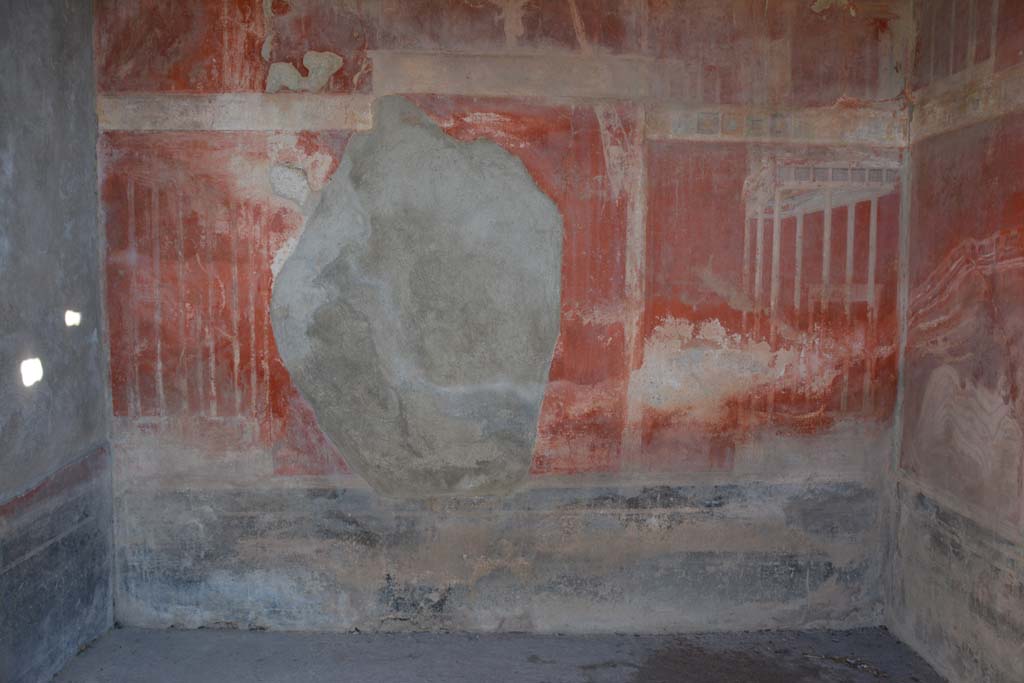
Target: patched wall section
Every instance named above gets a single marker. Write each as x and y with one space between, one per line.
419 310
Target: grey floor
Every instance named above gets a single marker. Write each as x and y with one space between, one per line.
222 656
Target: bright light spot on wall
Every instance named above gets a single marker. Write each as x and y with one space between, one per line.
31 371
72 318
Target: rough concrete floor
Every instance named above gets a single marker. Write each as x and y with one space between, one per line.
224 656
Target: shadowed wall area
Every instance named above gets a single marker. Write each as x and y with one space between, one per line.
55 473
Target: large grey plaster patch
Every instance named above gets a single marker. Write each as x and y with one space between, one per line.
419 310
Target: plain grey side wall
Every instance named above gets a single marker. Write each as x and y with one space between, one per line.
958 598
55 540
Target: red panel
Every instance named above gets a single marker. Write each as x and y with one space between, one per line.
961 33
830 55
972 179
695 230
695 238
1010 34
192 230
965 408
716 366
441 24
613 26
718 42
196 46
924 14
983 25
942 33
835 54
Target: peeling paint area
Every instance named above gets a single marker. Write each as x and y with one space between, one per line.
319 66
195 223
698 371
344 28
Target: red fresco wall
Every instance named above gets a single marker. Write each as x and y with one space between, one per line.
668 368
956 594
190 241
825 363
207 46
964 430
953 35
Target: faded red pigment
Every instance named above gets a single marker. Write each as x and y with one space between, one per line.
966 316
193 227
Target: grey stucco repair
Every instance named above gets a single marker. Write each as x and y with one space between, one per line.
419 310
